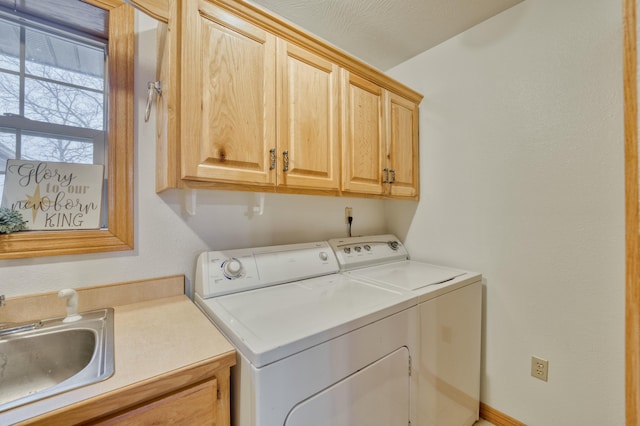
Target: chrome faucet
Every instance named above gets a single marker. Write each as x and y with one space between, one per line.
11 327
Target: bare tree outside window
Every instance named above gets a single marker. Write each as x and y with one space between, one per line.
52 96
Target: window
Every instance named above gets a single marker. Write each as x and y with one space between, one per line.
84 116
52 95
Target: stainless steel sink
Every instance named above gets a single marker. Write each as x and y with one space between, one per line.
55 357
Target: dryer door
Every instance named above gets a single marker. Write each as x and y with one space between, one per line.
377 395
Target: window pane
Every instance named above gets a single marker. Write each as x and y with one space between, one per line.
7 147
65 76
10 46
9 94
60 104
7 151
54 148
55 86
64 60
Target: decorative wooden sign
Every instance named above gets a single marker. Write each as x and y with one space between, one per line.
53 196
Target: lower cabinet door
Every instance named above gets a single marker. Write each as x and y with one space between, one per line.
195 405
377 395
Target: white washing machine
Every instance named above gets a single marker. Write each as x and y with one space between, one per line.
448 305
315 347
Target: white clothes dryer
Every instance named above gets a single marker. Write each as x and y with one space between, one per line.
315 347
448 310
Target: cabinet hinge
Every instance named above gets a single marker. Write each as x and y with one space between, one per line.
409 369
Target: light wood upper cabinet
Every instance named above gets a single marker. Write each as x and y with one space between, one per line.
380 140
308 125
250 102
402 146
364 135
227 97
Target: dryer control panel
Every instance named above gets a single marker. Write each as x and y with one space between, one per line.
232 271
359 252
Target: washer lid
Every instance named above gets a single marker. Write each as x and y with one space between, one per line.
271 323
409 275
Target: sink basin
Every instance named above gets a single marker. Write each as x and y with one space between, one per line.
56 357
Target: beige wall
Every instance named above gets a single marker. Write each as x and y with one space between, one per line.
522 179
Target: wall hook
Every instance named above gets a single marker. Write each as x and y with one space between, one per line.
153 87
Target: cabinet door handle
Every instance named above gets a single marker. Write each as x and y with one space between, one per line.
393 176
272 155
386 175
285 157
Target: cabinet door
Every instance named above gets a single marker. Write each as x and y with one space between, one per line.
308 132
364 133
192 406
166 122
227 97
402 148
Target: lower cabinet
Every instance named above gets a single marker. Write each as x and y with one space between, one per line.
198 394
195 405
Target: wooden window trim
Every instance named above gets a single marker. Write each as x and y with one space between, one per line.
632 216
119 235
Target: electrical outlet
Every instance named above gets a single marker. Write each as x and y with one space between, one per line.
348 213
539 368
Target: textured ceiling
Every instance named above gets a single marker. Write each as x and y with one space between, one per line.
385 33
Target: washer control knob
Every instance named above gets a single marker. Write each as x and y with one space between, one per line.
394 245
347 250
324 256
232 268
367 247
358 249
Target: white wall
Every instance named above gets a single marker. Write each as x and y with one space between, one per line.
522 179
167 239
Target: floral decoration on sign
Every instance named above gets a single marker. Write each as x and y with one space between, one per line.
11 221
